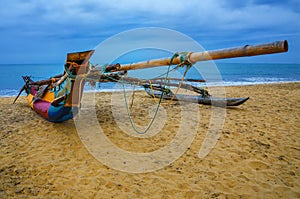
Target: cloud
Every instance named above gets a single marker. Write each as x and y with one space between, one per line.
210 15
212 22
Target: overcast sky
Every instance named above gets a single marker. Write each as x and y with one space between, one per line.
40 31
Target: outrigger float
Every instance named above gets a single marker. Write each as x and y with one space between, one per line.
58 98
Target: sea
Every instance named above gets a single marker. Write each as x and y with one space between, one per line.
229 74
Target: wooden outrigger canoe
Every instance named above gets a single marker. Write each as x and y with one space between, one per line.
58 98
206 100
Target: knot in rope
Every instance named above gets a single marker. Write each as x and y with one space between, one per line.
184 59
69 69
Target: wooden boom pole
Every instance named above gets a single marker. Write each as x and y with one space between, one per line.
193 57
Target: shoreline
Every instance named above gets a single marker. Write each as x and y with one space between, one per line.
257 153
121 90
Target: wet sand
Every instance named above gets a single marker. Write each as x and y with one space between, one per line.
256 156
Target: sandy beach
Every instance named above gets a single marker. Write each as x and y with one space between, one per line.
256 156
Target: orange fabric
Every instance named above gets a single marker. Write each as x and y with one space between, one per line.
30 100
49 96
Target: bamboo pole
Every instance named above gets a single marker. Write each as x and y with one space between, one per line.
161 83
193 57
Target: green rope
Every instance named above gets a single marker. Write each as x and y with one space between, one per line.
157 108
184 61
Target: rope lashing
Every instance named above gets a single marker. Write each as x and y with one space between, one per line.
184 61
71 66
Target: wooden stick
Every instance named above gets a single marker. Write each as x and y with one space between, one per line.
193 57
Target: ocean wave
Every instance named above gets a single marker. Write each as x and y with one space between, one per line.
246 83
10 93
265 79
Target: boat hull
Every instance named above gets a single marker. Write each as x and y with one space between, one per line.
214 101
